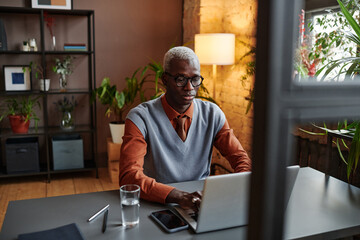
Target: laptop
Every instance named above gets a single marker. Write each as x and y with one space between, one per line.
225 201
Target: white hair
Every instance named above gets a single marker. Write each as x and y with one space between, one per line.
181 53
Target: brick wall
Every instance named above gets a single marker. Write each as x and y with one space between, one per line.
227 16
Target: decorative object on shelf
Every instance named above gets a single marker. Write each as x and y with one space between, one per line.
3 39
50 23
66 107
53 43
25 46
33 46
44 83
63 68
59 4
17 78
20 111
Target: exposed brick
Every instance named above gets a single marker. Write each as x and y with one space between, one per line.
229 16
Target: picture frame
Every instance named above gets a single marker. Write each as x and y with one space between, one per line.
17 77
52 4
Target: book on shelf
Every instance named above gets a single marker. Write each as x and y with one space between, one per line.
75 44
75 47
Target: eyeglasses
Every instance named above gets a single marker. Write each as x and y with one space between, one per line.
181 80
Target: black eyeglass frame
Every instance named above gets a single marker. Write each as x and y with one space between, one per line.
191 79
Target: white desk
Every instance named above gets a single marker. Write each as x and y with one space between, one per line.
320 208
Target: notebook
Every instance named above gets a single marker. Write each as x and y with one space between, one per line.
68 232
225 201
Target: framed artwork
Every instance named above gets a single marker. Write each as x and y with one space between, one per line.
52 4
17 78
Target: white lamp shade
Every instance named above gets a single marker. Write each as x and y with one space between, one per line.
215 48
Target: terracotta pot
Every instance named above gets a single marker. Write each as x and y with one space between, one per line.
18 125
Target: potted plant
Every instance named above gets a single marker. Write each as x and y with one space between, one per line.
114 101
350 67
119 102
63 68
44 83
20 111
66 106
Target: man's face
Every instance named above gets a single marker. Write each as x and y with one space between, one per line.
180 98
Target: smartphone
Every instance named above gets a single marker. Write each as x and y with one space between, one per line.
168 220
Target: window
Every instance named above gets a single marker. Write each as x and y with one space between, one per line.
322 42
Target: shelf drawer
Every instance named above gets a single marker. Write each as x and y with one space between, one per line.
68 152
22 155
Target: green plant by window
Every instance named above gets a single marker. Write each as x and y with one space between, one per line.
349 66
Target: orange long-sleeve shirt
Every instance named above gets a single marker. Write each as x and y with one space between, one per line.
134 148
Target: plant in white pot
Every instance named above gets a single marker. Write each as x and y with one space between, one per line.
44 83
20 111
117 103
114 101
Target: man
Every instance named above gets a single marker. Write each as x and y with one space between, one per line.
170 139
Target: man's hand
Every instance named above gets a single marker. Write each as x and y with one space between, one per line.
184 199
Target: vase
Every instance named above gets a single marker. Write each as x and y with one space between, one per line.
62 82
67 121
44 84
53 43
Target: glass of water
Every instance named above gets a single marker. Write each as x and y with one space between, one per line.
129 199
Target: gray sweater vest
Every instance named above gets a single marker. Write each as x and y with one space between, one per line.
168 158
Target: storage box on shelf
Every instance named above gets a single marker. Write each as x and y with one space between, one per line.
68 152
15 55
22 155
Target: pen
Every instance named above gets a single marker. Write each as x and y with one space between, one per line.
98 213
105 220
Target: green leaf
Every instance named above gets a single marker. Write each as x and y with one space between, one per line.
120 99
345 145
351 68
350 19
354 154
340 153
312 133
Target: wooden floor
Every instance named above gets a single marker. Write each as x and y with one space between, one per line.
37 187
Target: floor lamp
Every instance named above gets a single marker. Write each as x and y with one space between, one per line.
215 49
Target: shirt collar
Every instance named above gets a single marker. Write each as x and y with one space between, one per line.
171 113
